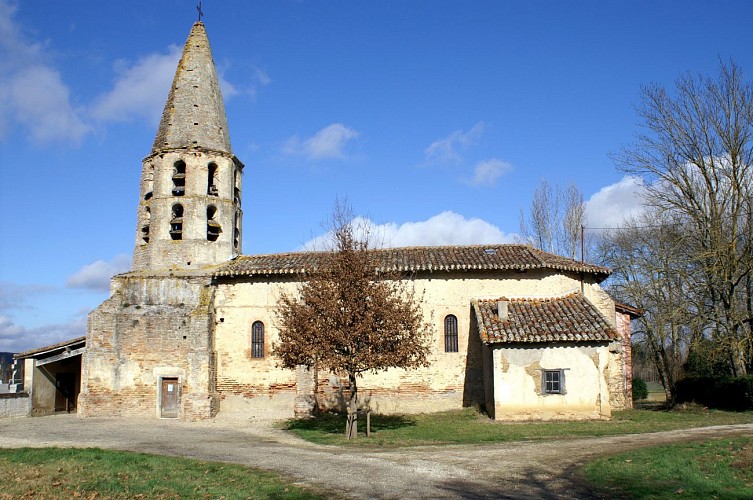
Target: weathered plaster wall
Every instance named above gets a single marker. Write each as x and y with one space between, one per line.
151 327
452 380
518 391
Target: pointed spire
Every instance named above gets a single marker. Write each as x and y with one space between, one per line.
194 115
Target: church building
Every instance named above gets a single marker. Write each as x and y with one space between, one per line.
187 333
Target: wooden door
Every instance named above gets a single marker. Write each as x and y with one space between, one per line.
170 398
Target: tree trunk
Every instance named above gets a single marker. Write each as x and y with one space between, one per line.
351 424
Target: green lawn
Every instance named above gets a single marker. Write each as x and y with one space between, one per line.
94 473
468 426
721 468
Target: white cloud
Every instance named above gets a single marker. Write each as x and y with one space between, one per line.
487 172
446 228
14 296
447 150
96 276
32 92
613 204
261 77
41 103
140 89
17 338
329 142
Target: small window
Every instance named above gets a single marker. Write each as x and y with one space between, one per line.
450 334
179 178
176 222
257 340
553 381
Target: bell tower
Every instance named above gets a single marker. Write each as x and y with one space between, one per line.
189 213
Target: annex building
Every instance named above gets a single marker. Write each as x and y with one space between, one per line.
188 332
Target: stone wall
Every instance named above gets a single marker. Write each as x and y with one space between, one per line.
15 405
626 361
155 248
152 327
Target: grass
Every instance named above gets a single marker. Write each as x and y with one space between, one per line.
656 393
468 427
94 473
720 468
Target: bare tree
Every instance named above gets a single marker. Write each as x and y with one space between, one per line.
651 270
696 155
555 219
351 316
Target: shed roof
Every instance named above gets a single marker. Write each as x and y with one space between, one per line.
415 259
51 349
571 318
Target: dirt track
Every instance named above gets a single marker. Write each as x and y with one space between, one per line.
511 470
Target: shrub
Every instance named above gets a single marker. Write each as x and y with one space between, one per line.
717 392
640 390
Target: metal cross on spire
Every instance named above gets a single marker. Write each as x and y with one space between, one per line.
198 8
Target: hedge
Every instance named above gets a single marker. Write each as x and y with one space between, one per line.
725 393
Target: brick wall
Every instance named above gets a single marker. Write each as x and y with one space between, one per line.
151 327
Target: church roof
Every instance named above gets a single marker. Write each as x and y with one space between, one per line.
571 318
415 259
194 115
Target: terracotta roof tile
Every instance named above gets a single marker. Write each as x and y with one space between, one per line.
571 318
433 259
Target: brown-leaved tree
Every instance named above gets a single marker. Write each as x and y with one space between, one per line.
351 315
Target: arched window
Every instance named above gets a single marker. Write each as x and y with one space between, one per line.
236 232
450 333
213 227
236 187
145 226
176 222
212 179
148 182
257 340
179 178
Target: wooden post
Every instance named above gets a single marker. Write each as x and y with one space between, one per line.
368 423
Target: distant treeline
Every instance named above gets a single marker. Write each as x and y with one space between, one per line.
6 364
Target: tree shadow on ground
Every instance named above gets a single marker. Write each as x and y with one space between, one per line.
652 405
333 423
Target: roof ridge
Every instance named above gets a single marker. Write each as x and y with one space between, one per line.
565 295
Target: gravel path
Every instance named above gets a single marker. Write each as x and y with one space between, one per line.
519 470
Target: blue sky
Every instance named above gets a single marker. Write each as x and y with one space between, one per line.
436 119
